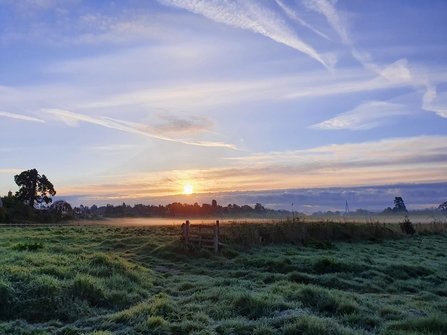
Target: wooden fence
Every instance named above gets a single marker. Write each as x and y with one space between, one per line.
32 225
42 225
205 235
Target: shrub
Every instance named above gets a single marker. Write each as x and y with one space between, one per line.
407 226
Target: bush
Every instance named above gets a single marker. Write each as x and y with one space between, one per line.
407 226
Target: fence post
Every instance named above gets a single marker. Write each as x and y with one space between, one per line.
187 232
216 237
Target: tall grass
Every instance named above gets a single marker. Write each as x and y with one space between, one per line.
302 231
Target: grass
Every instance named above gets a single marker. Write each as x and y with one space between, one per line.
290 278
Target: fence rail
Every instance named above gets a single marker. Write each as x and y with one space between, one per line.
207 236
40 225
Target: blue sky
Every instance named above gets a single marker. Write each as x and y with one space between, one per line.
131 100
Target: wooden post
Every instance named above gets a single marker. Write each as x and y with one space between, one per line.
187 232
216 237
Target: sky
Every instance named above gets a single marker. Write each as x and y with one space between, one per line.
314 102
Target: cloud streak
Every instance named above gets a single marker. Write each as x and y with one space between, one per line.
248 15
20 117
175 124
10 170
434 103
368 115
71 119
294 16
328 10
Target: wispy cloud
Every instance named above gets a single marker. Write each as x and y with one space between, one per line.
386 152
87 27
294 16
72 119
434 102
10 170
20 117
177 124
396 71
248 15
368 115
328 10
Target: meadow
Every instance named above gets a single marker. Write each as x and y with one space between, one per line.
292 277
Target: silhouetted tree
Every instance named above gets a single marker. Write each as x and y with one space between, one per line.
33 188
62 209
259 208
399 205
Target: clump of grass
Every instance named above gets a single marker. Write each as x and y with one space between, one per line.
251 306
28 246
88 288
322 245
299 277
161 305
312 325
157 325
318 299
435 325
326 265
237 325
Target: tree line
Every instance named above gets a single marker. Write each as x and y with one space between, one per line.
175 209
33 202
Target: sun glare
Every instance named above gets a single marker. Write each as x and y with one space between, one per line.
187 189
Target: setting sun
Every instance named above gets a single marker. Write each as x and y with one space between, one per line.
187 189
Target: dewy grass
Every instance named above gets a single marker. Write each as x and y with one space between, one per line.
118 280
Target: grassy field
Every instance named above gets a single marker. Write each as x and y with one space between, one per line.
370 279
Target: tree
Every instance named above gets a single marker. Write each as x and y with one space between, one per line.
34 188
62 209
443 206
259 208
399 205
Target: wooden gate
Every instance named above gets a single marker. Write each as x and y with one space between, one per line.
205 235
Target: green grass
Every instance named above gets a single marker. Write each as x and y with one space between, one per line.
296 279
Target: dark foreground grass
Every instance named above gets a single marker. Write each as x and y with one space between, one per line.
110 280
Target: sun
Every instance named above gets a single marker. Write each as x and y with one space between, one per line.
187 189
